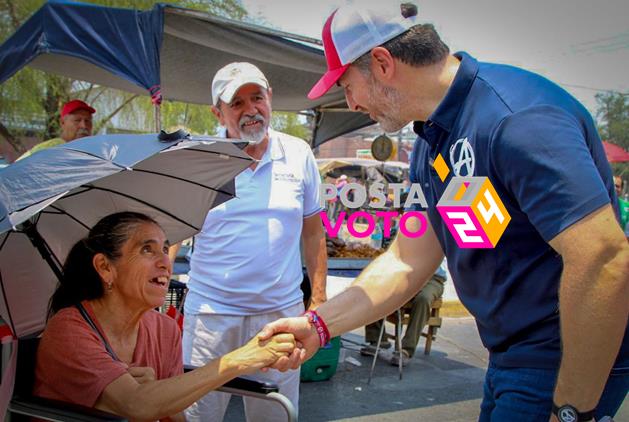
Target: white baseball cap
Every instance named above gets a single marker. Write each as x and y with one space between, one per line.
352 31
230 78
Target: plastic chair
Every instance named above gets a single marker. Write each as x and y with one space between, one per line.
24 405
399 319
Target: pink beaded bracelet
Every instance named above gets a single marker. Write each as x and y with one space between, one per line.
320 327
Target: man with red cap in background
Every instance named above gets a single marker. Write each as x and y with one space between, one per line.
550 295
75 121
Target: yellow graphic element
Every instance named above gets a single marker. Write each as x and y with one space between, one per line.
491 212
461 192
441 167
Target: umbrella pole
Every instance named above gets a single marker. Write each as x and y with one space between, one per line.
42 247
158 118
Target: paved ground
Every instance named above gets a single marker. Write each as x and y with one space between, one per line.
444 386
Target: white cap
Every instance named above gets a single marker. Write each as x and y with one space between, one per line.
230 78
353 30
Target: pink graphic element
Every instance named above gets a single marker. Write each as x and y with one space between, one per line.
422 221
386 218
371 224
332 230
464 227
467 184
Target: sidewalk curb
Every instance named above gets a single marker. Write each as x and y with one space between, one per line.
453 309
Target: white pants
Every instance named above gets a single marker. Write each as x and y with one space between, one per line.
209 336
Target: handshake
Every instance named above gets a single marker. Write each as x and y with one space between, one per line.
283 344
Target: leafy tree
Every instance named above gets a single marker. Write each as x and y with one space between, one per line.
30 100
25 88
613 116
290 123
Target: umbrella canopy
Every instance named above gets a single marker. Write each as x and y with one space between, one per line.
614 153
51 199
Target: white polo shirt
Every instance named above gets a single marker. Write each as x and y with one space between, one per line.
246 260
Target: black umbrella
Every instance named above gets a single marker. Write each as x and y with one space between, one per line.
50 200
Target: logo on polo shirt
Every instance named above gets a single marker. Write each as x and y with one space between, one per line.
285 177
462 158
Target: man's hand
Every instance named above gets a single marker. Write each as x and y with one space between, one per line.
305 335
257 353
142 374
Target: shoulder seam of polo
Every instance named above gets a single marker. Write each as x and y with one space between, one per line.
490 86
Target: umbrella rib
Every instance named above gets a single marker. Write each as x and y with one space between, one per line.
47 211
68 147
182 180
70 195
30 230
5 240
63 212
174 217
220 153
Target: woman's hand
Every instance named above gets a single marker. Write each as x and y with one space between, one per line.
257 354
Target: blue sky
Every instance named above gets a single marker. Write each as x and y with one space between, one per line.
582 45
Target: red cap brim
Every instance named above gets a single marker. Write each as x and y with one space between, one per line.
325 83
88 108
75 105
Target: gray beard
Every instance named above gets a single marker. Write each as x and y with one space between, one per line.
391 101
253 138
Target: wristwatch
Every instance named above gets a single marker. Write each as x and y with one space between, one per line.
569 413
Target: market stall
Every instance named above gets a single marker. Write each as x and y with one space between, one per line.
363 173
170 53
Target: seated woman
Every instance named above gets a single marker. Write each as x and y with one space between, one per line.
104 345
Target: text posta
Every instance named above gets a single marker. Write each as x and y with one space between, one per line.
358 196
354 195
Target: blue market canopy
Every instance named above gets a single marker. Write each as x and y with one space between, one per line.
172 53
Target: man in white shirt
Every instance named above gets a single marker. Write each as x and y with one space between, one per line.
246 269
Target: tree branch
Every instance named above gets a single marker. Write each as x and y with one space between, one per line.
11 9
100 92
106 120
88 92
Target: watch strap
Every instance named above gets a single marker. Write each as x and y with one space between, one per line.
569 413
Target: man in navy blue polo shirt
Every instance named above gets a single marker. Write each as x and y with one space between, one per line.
550 298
